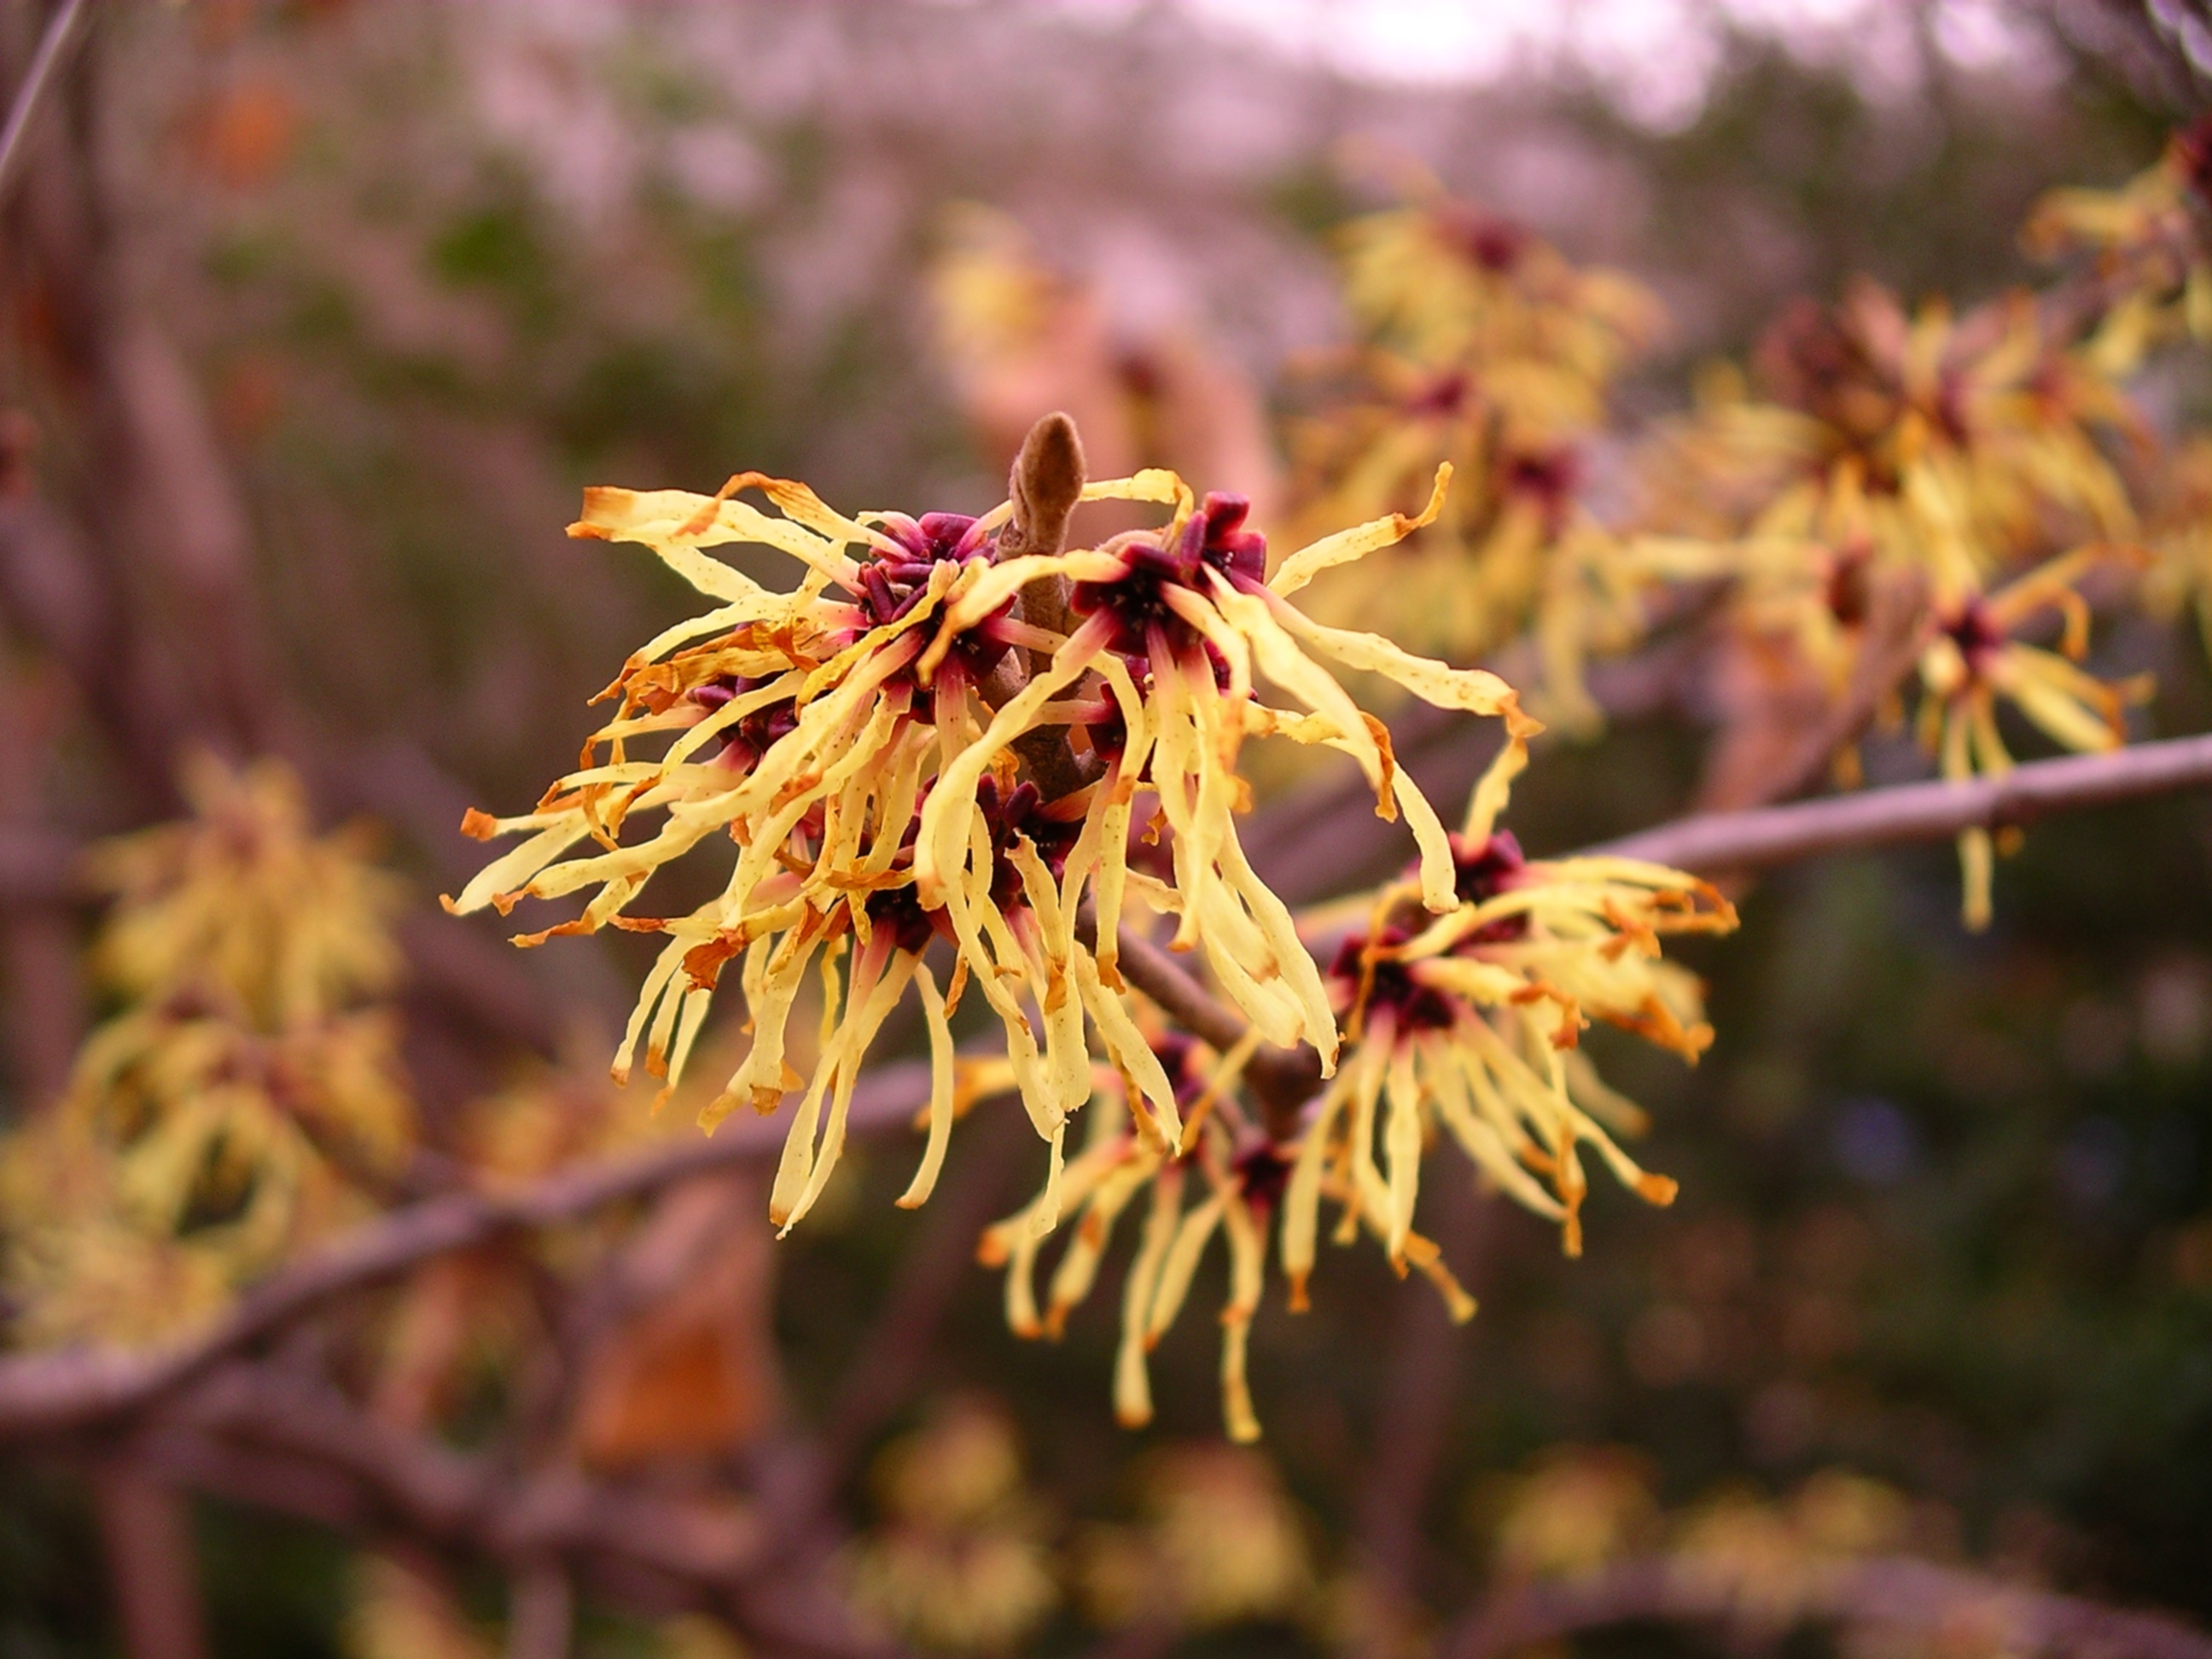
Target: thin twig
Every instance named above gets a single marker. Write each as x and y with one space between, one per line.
147 1531
1897 633
456 1499
44 1393
1713 843
541 1613
247 1433
1422 1388
60 34
1890 1592
652 1552
1155 971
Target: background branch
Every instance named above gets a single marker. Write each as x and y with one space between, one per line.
41 1394
54 43
49 1393
1715 842
1893 1592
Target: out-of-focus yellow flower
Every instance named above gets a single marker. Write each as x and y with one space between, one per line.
860 738
2147 250
1974 661
1220 1542
398 1613
997 304
1579 1507
1017 333
1464 1021
2180 539
1956 447
237 1107
1482 347
694 1635
1913 466
1469 1022
1236 1176
1771 1559
552 1118
81 1273
1442 281
242 900
961 1561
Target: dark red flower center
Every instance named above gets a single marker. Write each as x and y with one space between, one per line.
1976 634
892 584
1414 1006
1021 815
1137 600
1495 244
1262 1171
744 743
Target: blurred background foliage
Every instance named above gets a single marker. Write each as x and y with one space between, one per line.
1946 1221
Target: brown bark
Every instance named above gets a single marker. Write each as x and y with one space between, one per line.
1965 1611
145 1526
1412 1427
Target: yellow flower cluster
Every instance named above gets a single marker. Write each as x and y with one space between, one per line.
1462 1025
2145 248
1955 474
1466 1025
2179 535
1973 659
1480 346
869 739
1953 448
242 1101
1235 1189
960 1562
1218 1541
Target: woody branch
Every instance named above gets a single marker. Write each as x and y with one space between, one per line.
1893 1593
49 1393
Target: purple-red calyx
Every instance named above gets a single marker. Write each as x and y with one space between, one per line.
1849 593
1212 539
1976 634
1262 1170
1021 815
2193 145
1442 395
1546 478
744 743
1482 871
1412 1005
1494 244
892 584
911 927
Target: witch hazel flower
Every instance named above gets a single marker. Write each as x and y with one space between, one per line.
1463 1027
939 740
1468 1026
809 726
1225 1181
1974 660
1176 626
